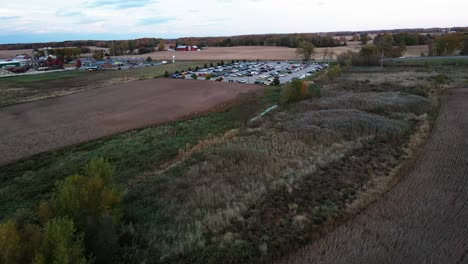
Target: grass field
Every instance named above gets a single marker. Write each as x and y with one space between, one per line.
444 61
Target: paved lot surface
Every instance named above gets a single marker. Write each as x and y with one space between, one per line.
256 72
39 126
424 219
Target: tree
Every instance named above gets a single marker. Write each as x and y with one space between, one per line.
208 76
166 74
98 54
465 45
161 46
276 81
78 64
364 38
92 203
10 243
368 55
149 59
345 59
61 243
305 50
194 76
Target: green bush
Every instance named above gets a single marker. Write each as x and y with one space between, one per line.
166 74
194 76
334 72
208 77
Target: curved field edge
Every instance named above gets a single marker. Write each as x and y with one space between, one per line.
334 247
259 230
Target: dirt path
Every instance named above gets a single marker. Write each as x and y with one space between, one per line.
424 219
39 126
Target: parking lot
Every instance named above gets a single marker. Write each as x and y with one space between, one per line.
254 72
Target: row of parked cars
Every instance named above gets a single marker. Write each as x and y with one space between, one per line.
255 72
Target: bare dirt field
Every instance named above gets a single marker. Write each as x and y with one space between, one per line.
423 219
242 53
7 54
39 126
262 53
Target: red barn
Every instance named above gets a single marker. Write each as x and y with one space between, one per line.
186 48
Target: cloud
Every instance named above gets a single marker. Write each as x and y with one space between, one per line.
118 3
68 13
155 20
9 17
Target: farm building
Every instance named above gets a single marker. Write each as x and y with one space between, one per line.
187 48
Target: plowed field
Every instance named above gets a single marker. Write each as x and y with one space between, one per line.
424 219
39 126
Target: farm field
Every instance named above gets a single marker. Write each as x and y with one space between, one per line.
34 87
221 188
241 53
7 54
262 53
35 127
423 218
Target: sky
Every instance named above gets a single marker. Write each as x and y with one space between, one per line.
59 20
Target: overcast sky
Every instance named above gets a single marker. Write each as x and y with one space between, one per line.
57 20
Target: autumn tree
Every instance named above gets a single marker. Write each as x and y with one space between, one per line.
10 243
368 55
93 204
78 64
305 50
465 45
161 46
61 243
98 54
364 38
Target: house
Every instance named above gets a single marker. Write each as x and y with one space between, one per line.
187 48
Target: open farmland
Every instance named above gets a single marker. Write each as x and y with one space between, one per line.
424 218
219 188
8 54
44 125
262 53
26 88
244 53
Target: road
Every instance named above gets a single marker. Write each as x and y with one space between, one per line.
424 219
39 126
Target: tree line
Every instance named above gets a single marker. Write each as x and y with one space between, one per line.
283 40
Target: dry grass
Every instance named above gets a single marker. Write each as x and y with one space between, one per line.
256 191
326 125
221 182
385 102
423 218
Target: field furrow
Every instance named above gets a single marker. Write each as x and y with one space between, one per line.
421 220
